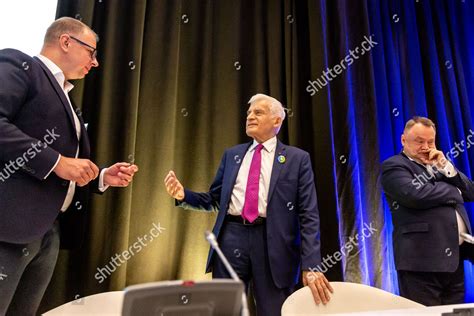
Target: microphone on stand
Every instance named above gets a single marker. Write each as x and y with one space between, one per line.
211 238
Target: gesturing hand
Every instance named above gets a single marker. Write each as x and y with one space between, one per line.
82 171
173 186
120 174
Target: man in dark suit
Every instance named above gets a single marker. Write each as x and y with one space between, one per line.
426 195
268 221
44 153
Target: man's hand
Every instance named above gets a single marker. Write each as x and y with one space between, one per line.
435 158
82 171
120 174
319 285
173 186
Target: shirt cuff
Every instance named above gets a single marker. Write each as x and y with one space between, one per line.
102 187
448 171
57 161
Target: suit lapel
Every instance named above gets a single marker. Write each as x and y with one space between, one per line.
238 159
280 150
419 168
85 145
236 162
84 141
58 90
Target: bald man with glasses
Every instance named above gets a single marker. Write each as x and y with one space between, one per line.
92 50
45 171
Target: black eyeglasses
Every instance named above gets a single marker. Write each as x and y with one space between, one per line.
93 51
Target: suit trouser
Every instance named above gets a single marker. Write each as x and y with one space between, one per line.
433 288
27 270
246 249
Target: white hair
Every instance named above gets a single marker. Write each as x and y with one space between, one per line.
274 105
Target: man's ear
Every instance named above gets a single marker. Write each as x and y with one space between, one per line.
278 121
403 140
64 42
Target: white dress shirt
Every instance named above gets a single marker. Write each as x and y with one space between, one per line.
66 86
448 171
237 199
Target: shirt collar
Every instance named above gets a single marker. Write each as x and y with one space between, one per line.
408 156
57 73
269 145
426 166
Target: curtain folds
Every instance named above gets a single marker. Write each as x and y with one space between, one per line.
171 92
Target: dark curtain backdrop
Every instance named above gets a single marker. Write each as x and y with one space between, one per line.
171 92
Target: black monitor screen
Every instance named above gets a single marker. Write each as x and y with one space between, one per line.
184 298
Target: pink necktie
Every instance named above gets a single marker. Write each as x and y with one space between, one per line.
250 211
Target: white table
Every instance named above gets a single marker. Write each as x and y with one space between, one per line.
110 303
433 310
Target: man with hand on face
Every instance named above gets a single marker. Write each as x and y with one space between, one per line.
45 150
267 212
426 195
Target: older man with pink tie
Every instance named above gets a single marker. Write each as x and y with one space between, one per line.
265 241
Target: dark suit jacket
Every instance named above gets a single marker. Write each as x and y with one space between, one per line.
31 104
425 235
292 211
